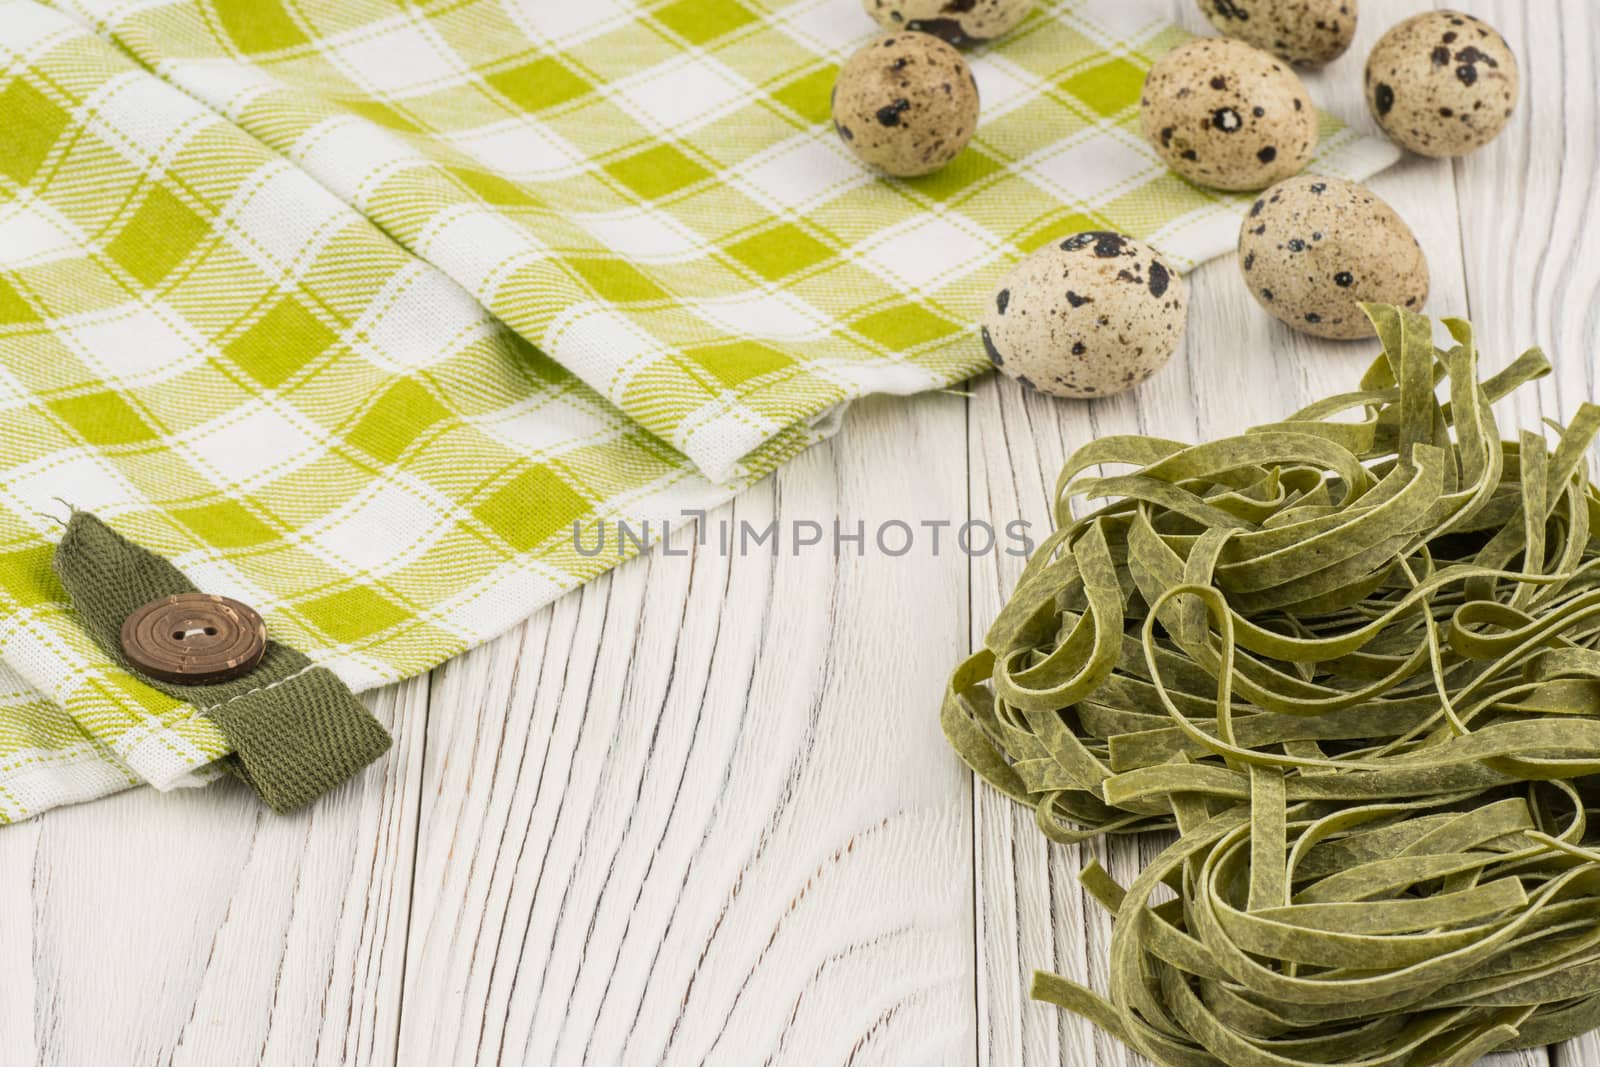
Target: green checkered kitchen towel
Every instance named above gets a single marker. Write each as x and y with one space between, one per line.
351 308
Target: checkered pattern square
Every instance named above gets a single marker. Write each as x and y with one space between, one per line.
353 310
671 161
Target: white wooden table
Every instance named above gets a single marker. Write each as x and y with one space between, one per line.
700 810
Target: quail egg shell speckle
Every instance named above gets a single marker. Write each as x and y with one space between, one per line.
1228 116
956 21
1306 32
906 103
1442 83
1088 316
1313 249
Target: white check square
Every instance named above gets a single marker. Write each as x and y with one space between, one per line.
349 155
1093 169
521 148
478 247
683 93
217 575
565 23
145 119
1190 239
801 173
642 234
927 250
499 600
601 345
392 522
256 442
12 393
406 57
1002 85
33 29
829 27
142 339
1115 23
224 84
542 427
32 231
421 318
281 218
772 316
82 479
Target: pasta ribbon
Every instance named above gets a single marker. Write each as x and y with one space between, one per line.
1352 659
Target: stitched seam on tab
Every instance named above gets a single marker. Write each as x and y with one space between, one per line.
260 689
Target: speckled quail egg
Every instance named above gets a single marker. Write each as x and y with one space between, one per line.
957 21
1228 116
1306 32
1312 249
906 104
1085 317
1442 83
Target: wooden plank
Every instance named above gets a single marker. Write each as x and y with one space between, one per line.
1529 201
19 991
1238 367
1529 234
1581 1051
195 927
1030 913
701 810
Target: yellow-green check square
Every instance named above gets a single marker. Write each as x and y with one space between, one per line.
699 21
967 171
103 418
1108 88
494 189
13 308
905 326
352 614
535 504
258 25
810 95
225 524
396 419
280 342
616 279
33 124
780 251
545 82
26 576
737 362
159 236
658 171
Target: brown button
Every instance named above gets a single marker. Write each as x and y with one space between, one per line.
194 638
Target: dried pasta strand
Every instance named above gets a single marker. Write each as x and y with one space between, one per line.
1353 659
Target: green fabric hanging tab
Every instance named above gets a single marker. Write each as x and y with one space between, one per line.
296 730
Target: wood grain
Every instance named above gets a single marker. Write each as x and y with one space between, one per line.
20 991
196 927
1239 367
1530 209
699 810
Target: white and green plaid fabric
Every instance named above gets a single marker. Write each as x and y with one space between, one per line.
352 308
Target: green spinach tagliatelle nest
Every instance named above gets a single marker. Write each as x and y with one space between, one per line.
1355 663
